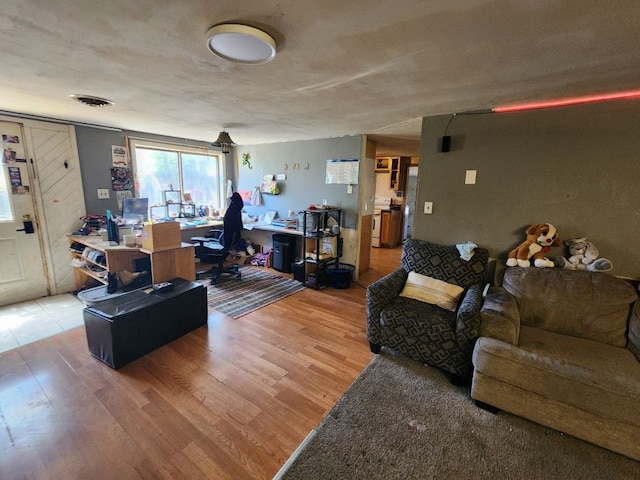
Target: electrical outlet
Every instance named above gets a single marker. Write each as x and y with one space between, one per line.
428 207
103 193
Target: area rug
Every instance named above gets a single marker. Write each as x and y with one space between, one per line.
254 290
400 419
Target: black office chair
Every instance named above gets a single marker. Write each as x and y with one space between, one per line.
214 248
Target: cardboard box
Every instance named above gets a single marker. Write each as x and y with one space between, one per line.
239 258
161 236
329 245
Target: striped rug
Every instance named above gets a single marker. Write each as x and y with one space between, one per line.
254 290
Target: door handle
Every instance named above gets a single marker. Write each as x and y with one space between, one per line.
28 224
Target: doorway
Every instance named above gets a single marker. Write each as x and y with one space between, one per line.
23 274
41 179
411 189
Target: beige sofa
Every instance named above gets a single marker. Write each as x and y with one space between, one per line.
562 348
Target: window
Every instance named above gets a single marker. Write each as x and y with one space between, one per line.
158 167
6 212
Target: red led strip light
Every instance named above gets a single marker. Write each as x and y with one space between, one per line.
603 97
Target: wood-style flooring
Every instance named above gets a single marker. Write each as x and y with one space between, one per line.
231 400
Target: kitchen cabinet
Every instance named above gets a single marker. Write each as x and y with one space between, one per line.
382 164
394 174
391 228
393 166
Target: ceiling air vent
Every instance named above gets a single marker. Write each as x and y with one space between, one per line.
92 101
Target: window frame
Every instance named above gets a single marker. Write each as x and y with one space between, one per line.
180 149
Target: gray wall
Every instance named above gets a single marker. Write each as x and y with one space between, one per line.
301 188
94 150
305 186
574 167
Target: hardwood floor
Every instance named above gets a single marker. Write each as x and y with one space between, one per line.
231 400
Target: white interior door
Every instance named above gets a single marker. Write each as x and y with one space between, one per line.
22 271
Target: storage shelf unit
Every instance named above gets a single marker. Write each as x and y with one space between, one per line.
165 264
321 248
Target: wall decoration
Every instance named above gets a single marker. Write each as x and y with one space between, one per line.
343 171
121 195
8 155
246 160
246 196
20 189
121 179
14 175
269 185
13 151
119 157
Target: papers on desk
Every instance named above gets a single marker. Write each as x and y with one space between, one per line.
263 220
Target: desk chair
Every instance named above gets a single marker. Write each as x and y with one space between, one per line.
214 248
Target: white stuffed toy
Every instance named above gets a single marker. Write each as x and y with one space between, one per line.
584 256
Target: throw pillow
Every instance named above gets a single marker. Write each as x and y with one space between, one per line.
431 290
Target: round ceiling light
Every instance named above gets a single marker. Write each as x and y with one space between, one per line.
241 43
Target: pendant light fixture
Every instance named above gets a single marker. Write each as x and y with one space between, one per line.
224 142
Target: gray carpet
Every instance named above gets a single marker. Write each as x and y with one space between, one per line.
402 420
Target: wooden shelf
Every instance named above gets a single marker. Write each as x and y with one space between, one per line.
165 264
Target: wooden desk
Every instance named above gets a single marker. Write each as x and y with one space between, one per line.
188 231
165 264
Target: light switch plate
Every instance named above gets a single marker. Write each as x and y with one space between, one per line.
428 207
103 193
470 177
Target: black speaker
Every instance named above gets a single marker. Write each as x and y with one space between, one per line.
446 143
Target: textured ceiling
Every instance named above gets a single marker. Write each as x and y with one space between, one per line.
342 68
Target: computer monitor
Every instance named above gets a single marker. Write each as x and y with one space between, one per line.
135 210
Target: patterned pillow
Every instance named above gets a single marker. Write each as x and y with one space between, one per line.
433 291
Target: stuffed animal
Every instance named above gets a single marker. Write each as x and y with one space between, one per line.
584 256
540 238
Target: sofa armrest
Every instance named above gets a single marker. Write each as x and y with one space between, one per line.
380 294
500 316
634 330
468 317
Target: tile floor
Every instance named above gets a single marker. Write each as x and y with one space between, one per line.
27 322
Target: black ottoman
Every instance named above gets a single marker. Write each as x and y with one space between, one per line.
128 326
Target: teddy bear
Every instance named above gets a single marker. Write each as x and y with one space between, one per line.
583 256
540 238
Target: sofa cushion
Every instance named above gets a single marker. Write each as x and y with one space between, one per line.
584 304
444 263
589 375
432 290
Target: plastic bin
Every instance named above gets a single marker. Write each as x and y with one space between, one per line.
340 275
283 252
298 271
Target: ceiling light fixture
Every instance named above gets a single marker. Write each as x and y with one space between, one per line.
602 97
224 142
241 43
92 101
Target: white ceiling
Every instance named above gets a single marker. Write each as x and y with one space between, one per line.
342 68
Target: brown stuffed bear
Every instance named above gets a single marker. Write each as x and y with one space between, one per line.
540 237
